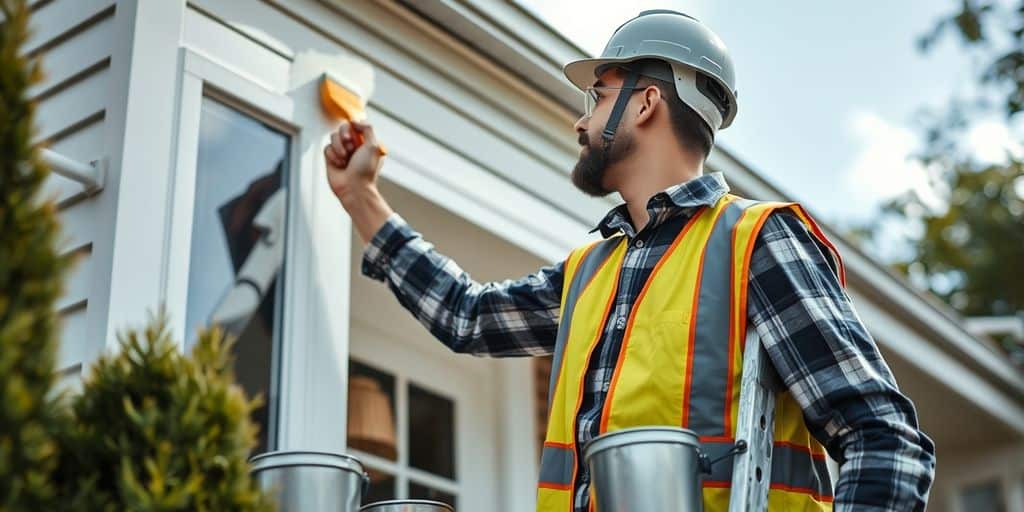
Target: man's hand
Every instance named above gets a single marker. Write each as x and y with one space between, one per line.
352 169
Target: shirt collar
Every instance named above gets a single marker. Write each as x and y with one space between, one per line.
704 190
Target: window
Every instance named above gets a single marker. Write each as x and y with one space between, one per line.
404 434
983 496
237 245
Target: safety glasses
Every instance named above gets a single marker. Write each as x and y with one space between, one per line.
593 94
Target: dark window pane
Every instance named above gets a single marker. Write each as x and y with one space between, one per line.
422 492
237 247
987 496
382 487
431 432
371 411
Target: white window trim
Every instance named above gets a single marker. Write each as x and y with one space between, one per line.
311 409
202 77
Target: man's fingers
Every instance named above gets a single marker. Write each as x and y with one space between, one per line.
367 131
336 140
332 157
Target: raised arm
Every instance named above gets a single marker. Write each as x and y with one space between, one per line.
508 318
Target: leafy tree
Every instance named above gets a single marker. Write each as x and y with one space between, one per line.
31 276
967 252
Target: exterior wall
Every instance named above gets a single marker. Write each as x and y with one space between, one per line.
79 109
967 466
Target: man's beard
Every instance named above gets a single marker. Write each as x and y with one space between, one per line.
594 161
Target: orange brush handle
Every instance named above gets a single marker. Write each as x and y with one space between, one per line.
341 103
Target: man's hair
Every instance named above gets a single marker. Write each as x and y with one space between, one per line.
692 132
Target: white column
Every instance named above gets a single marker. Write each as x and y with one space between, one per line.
517 442
144 79
315 348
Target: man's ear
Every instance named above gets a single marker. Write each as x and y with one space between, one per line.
650 97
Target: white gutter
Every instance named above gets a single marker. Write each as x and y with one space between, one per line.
989 325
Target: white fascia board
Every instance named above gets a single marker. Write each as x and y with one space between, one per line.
516 39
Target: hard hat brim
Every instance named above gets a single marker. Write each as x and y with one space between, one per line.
583 73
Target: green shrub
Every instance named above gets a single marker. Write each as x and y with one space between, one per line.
158 430
153 429
31 275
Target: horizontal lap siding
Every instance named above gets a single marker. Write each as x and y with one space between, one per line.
74 40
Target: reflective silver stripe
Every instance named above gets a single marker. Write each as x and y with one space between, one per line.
722 471
793 468
585 270
707 400
799 471
556 465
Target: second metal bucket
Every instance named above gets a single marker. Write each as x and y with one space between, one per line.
407 506
647 468
311 481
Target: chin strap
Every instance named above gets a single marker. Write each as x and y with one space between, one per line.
620 106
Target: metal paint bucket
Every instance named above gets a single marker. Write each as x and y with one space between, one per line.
647 468
407 506
311 481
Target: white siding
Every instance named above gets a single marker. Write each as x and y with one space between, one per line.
75 40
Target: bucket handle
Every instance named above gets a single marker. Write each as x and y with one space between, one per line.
706 463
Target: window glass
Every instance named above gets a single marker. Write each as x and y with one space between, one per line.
237 248
431 432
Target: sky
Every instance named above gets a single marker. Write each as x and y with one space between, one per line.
828 91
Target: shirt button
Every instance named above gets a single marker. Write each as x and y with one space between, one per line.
620 322
639 243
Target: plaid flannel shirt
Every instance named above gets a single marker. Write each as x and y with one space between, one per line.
815 339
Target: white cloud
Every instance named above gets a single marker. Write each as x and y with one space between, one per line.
883 168
990 140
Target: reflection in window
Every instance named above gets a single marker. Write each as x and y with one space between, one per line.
371 411
421 464
238 244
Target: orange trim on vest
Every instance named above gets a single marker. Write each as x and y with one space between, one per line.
590 350
821 237
616 373
802 490
688 379
734 342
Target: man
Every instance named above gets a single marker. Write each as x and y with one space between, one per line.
658 308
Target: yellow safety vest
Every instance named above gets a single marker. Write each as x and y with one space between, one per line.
681 358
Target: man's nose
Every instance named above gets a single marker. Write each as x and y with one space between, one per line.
579 125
